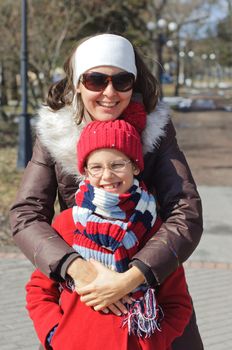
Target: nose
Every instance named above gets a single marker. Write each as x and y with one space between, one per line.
107 174
109 90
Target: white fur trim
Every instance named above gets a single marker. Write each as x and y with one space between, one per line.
59 133
154 131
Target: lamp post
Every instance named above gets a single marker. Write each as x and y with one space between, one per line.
179 58
181 77
161 39
189 71
25 144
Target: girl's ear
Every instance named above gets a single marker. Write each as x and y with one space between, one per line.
136 170
86 176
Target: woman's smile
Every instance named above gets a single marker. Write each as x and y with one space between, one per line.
107 104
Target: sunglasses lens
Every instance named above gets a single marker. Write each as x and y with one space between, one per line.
94 81
123 81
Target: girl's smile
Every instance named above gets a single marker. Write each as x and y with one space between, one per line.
100 173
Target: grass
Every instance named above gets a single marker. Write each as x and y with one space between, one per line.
10 176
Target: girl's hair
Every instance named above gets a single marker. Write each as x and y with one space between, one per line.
63 93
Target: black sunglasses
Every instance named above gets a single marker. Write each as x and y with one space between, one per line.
95 81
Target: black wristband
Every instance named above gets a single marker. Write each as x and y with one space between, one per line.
146 271
66 261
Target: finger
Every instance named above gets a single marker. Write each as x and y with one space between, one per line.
127 300
114 310
88 297
85 290
121 307
90 301
106 310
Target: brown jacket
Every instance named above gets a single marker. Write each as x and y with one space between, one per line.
52 170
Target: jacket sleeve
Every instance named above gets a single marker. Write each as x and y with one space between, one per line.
32 213
42 303
42 293
167 173
174 299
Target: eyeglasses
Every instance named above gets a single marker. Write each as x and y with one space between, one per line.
117 166
95 81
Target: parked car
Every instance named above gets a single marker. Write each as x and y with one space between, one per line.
197 104
167 78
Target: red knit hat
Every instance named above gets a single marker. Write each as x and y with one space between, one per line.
117 134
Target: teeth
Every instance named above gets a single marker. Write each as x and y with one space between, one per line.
110 186
105 104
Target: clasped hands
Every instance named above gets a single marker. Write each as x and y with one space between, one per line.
104 289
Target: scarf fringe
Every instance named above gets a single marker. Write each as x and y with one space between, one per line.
144 315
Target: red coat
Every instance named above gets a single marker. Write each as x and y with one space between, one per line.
82 328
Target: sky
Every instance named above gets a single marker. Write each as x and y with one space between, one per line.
219 11
215 13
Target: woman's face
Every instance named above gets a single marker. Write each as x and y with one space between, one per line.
107 104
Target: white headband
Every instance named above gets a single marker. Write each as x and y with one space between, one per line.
103 50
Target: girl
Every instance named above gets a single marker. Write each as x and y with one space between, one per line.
113 217
104 76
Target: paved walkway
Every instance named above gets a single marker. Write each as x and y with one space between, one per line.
209 275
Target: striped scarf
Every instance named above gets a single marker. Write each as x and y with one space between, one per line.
109 229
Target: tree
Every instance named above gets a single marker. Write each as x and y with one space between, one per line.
10 46
224 35
182 13
54 27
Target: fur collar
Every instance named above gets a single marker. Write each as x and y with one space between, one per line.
59 133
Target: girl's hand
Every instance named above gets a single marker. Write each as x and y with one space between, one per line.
118 308
109 287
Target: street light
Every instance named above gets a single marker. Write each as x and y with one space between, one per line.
25 144
161 39
189 79
181 75
211 70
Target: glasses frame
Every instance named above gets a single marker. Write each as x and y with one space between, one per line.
114 79
108 166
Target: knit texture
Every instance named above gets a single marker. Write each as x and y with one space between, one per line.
122 134
109 229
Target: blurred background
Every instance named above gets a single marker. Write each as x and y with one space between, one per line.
187 45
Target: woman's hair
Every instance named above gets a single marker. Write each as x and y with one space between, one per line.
63 93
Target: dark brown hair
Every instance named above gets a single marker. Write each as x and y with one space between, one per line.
62 93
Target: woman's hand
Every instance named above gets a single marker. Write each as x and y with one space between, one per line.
109 287
82 272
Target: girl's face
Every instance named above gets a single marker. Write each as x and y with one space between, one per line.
107 104
106 164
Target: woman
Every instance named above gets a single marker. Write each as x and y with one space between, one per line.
113 217
104 74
